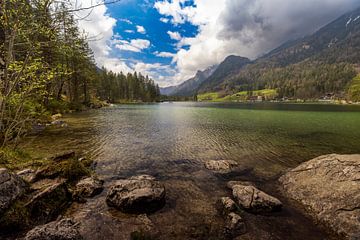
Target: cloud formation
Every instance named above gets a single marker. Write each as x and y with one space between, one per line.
243 27
140 29
134 45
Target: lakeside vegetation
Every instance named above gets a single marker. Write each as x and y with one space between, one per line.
46 67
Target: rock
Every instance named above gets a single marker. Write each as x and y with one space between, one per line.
140 194
88 187
231 184
50 198
64 229
27 174
228 205
63 156
56 116
252 199
329 188
223 166
60 123
234 225
11 188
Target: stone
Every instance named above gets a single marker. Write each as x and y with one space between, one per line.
231 184
228 205
140 194
88 187
234 225
51 197
254 200
27 174
329 188
63 155
65 229
11 188
223 166
56 116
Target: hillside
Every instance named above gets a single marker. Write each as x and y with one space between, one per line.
189 87
310 67
230 66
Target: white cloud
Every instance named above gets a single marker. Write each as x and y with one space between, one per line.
164 20
243 27
174 35
135 45
140 29
125 20
129 31
165 54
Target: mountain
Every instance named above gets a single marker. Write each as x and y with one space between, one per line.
167 90
231 65
190 86
310 67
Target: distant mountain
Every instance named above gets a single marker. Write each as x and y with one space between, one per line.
231 65
167 90
190 86
313 66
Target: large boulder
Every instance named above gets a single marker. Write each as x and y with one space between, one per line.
329 188
50 198
64 229
254 200
140 194
11 188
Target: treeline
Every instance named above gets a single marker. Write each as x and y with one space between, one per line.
115 87
47 66
305 80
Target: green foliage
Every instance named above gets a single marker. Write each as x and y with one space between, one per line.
13 158
117 88
354 89
267 94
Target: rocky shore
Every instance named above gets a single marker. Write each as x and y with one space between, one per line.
32 201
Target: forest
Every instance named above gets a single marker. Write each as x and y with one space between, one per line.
46 66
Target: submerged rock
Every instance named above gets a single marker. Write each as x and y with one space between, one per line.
65 229
252 199
231 184
329 188
63 155
11 188
88 187
224 166
234 225
139 194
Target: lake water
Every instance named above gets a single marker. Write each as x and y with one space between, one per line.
172 140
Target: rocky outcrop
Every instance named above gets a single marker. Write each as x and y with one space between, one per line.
11 188
88 187
64 229
329 188
254 200
221 166
49 199
140 194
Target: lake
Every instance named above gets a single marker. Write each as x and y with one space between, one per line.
171 141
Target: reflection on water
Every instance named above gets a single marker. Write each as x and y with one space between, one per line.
172 140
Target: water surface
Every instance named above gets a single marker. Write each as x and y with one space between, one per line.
172 140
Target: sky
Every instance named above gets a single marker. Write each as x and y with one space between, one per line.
170 40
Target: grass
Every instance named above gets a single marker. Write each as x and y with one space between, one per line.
354 89
268 94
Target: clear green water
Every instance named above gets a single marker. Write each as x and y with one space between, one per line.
172 141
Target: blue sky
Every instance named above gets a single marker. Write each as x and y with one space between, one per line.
170 40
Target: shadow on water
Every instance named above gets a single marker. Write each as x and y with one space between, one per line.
172 142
